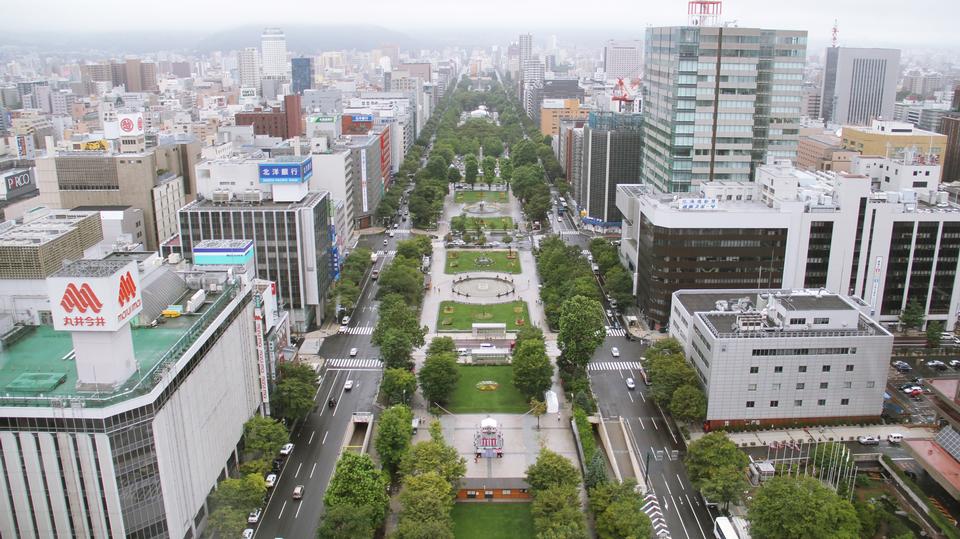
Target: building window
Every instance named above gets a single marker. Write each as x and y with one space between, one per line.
471 494
800 385
871 384
844 402
847 385
797 321
776 387
751 387
754 370
822 402
802 368
798 402
825 368
749 404
821 321
824 385
506 492
774 404
849 368
778 368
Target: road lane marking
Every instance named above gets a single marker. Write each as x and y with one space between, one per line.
313 469
297 473
282 507
324 440
677 509
342 390
670 492
702 532
680 481
641 423
332 385
310 441
654 421
299 505
631 397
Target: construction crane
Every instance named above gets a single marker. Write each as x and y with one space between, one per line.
622 95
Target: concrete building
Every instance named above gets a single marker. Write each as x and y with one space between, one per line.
154 180
623 59
526 47
950 127
706 122
289 224
889 138
302 75
273 53
859 85
824 152
323 101
129 435
248 62
885 234
810 105
783 357
555 111
612 153
283 124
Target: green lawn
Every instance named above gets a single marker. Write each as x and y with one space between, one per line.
492 521
488 223
467 399
465 261
455 316
469 197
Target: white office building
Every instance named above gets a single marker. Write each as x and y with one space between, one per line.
859 85
782 356
248 61
112 425
273 47
623 60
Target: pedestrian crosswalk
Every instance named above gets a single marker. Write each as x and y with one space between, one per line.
569 232
359 330
392 252
614 332
613 366
354 363
651 506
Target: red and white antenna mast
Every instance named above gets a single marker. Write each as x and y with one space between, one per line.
704 12
835 33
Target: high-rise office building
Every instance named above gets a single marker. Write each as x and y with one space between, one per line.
623 59
273 47
248 61
950 126
718 102
302 78
612 153
859 84
526 47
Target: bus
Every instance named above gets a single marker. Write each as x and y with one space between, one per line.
730 528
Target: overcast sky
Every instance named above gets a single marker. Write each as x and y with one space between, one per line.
862 22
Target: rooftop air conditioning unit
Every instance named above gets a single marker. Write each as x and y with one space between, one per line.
251 195
221 197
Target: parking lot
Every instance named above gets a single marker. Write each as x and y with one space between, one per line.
918 408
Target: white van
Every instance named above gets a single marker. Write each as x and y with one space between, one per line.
895 438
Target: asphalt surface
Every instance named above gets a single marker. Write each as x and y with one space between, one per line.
319 438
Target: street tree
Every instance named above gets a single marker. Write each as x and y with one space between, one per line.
618 511
537 409
357 481
688 404
715 464
396 314
453 175
298 371
619 285
244 493
934 337
393 436
556 513
437 166
398 386
441 345
470 169
596 473
582 330
532 370
434 455
526 333
228 521
801 507
425 497
667 373
403 279
489 166
438 377
396 349
428 529
552 469
264 435
346 521
295 398
912 316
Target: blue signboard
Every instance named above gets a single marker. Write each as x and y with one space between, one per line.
335 263
362 117
597 222
286 172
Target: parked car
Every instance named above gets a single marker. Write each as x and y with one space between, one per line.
247 533
868 440
936 364
348 385
894 437
462 352
345 321
902 366
630 383
615 352
911 389
298 492
955 363
271 480
254 516
286 449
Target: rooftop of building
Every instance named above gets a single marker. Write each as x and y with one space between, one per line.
37 366
104 207
891 128
933 456
311 198
43 229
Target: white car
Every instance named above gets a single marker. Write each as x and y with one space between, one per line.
286 449
247 533
348 385
868 440
391 234
396 225
615 352
345 321
631 384
353 352
271 480
254 516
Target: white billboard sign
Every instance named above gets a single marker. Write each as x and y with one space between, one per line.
130 124
95 303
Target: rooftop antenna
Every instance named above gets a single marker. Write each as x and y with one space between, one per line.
704 12
835 33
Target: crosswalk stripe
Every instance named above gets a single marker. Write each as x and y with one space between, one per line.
360 330
613 366
613 332
353 363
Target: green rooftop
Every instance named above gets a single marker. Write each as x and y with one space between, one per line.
39 369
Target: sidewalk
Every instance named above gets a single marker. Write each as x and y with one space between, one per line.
844 433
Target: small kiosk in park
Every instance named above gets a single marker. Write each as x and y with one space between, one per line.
488 440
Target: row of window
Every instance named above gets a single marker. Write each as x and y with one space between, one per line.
804 352
802 385
798 403
800 368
